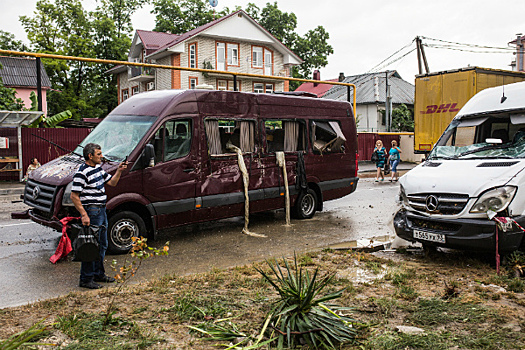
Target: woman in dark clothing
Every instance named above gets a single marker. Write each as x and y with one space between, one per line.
381 159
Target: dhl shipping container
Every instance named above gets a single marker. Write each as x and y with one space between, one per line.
440 95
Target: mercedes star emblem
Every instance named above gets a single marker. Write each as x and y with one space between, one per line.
36 192
432 203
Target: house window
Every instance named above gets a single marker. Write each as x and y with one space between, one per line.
269 88
268 62
221 56
193 82
257 57
222 85
230 85
233 54
134 90
258 88
125 94
192 56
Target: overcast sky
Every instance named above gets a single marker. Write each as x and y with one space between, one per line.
364 33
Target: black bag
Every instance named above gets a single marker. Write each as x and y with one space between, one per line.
387 168
375 157
85 245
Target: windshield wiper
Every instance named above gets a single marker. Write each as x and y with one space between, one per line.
484 148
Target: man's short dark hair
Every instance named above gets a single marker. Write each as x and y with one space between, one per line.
90 149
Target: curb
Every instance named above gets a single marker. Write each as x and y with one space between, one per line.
11 191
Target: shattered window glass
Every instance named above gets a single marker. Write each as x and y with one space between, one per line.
118 135
327 137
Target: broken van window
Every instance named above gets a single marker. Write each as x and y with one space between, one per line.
327 137
118 135
221 133
284 135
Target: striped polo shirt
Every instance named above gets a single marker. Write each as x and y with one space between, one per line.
89 182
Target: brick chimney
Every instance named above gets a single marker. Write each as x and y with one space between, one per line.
341 77
317 76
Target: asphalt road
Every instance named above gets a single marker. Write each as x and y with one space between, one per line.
27 275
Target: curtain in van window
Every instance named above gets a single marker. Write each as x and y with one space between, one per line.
291 136
247 136
214 139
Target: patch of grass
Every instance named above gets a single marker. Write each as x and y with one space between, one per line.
401 341
398 278
306 260
407 293
429 312
515 285
385 306
374 266
195 307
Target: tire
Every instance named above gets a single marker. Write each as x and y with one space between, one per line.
305 205
122 226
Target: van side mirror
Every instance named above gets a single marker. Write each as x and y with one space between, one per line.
149 156
146 158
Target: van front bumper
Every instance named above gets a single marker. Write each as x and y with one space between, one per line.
465 234
55 224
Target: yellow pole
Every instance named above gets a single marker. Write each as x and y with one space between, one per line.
161 66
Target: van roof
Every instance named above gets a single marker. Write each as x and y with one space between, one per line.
208 102
497 99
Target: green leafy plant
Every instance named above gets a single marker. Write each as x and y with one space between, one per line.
139 252
301 314
24 338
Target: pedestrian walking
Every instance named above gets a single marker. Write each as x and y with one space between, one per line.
394 157
89 197
381 159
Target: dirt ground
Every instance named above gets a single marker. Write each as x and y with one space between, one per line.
456 300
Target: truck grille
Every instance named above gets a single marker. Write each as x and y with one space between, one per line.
440 203
40 196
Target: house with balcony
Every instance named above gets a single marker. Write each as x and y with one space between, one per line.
233 43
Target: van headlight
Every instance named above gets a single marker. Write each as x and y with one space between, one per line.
66 199
497 199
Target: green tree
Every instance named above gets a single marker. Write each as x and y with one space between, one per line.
8 42
64 27
8 99
180 16
184 15
402 119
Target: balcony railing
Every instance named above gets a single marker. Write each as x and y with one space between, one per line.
141 73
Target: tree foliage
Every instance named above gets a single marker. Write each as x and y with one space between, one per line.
8 99
8 42
64 27
313 48
181 16
402 119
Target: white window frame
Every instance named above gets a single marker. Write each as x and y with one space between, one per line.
193 83
135 90
257 57
125 94
258 90
192 51
268 62
221 87
270 90
221 57
233 54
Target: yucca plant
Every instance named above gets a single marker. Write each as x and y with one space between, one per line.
24 339
301 315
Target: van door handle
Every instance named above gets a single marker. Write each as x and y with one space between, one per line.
188 170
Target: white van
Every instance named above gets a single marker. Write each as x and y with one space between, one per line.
476 167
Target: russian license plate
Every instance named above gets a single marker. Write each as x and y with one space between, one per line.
427 236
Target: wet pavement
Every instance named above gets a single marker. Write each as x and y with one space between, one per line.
25 247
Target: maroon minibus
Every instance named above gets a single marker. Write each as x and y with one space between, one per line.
181 167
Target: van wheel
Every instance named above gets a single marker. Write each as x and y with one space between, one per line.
305 205
122 226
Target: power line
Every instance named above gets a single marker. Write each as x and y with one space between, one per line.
448 47
393 61
469 45
392 55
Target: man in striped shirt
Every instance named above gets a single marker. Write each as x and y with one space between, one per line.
89 197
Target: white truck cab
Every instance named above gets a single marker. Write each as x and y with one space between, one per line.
476 168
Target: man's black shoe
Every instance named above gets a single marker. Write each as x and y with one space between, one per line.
105 279
89 285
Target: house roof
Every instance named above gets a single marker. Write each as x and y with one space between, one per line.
153 41
318 90
188 35
21 72
401 91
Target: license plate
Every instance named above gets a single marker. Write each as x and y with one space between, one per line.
427 236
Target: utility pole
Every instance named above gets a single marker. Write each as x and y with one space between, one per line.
421 57
388 104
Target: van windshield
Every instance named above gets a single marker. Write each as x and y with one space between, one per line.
485 137
118 135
